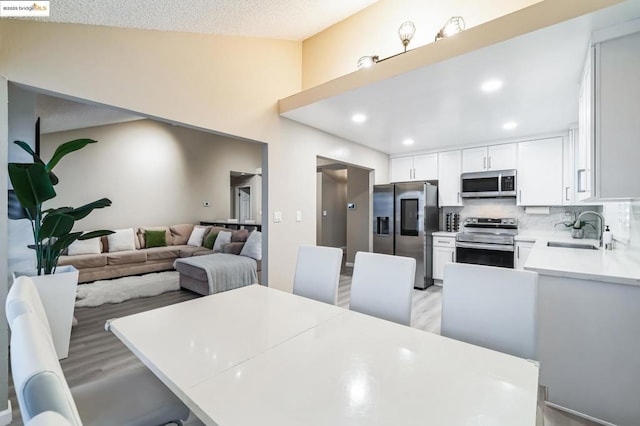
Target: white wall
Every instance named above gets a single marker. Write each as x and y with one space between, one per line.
154 173
374 31
4 283
227 84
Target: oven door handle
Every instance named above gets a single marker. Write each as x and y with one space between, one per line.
495 247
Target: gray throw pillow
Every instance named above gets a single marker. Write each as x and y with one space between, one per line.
224 237
253 247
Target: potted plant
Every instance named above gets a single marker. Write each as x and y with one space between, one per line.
33 184
577 228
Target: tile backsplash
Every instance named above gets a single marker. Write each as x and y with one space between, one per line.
498 207
624 221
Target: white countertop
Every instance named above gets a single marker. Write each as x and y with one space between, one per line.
620 266
445 234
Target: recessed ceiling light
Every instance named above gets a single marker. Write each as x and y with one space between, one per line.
359 118
510 125
491 85
408 141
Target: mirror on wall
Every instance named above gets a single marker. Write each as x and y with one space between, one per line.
245 197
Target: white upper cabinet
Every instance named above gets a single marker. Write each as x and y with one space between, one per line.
425 167
539 175
494 157
449 168
413 168
583 145
401 169
616 120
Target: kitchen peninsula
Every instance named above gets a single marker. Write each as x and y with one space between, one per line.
588 327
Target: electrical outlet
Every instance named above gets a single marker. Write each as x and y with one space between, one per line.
277 217
206 204
566 215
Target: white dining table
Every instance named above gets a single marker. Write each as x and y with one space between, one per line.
260 356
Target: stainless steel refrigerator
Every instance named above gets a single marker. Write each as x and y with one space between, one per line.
405 216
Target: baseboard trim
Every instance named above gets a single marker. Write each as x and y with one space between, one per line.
349 264
5 415
578 414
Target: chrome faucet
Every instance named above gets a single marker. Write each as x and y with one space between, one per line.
601 222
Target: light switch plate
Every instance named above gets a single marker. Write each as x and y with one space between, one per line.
298 216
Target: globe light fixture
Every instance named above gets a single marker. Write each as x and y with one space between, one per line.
453 26
406 32
367 61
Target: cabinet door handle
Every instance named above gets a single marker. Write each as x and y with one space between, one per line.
580 188
458 197
484 163
518 252
520 195
452 259
566 194
489 163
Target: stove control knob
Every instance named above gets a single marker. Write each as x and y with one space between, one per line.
512 221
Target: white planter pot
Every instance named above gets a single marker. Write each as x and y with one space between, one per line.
58 294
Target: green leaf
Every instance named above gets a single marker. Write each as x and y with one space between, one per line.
82 211
94 234
64 241
67 148
56 225
36 159
27 148
31 184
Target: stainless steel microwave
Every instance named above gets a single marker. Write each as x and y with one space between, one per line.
492 184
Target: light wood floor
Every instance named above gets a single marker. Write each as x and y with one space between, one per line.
96 353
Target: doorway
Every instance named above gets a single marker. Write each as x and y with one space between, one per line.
343 203
243 203
245 197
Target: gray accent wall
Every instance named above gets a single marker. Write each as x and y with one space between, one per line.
153 172
333 201
358 219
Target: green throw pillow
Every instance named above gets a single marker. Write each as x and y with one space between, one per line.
155 238
210 240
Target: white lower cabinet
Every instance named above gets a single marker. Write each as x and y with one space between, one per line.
444 251
522 250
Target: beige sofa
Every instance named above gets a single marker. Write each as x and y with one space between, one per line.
143 260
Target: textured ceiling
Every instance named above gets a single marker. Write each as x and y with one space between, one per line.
280 19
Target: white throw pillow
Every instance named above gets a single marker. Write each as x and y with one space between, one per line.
253 246
224 237
90 246
197 235
121 240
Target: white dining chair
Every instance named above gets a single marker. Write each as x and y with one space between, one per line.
382 286
491 307
318 273
133 397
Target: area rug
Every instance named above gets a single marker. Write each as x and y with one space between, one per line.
125 288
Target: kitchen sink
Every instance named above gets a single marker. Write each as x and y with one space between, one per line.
571 245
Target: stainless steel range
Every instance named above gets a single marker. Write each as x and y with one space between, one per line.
487 241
